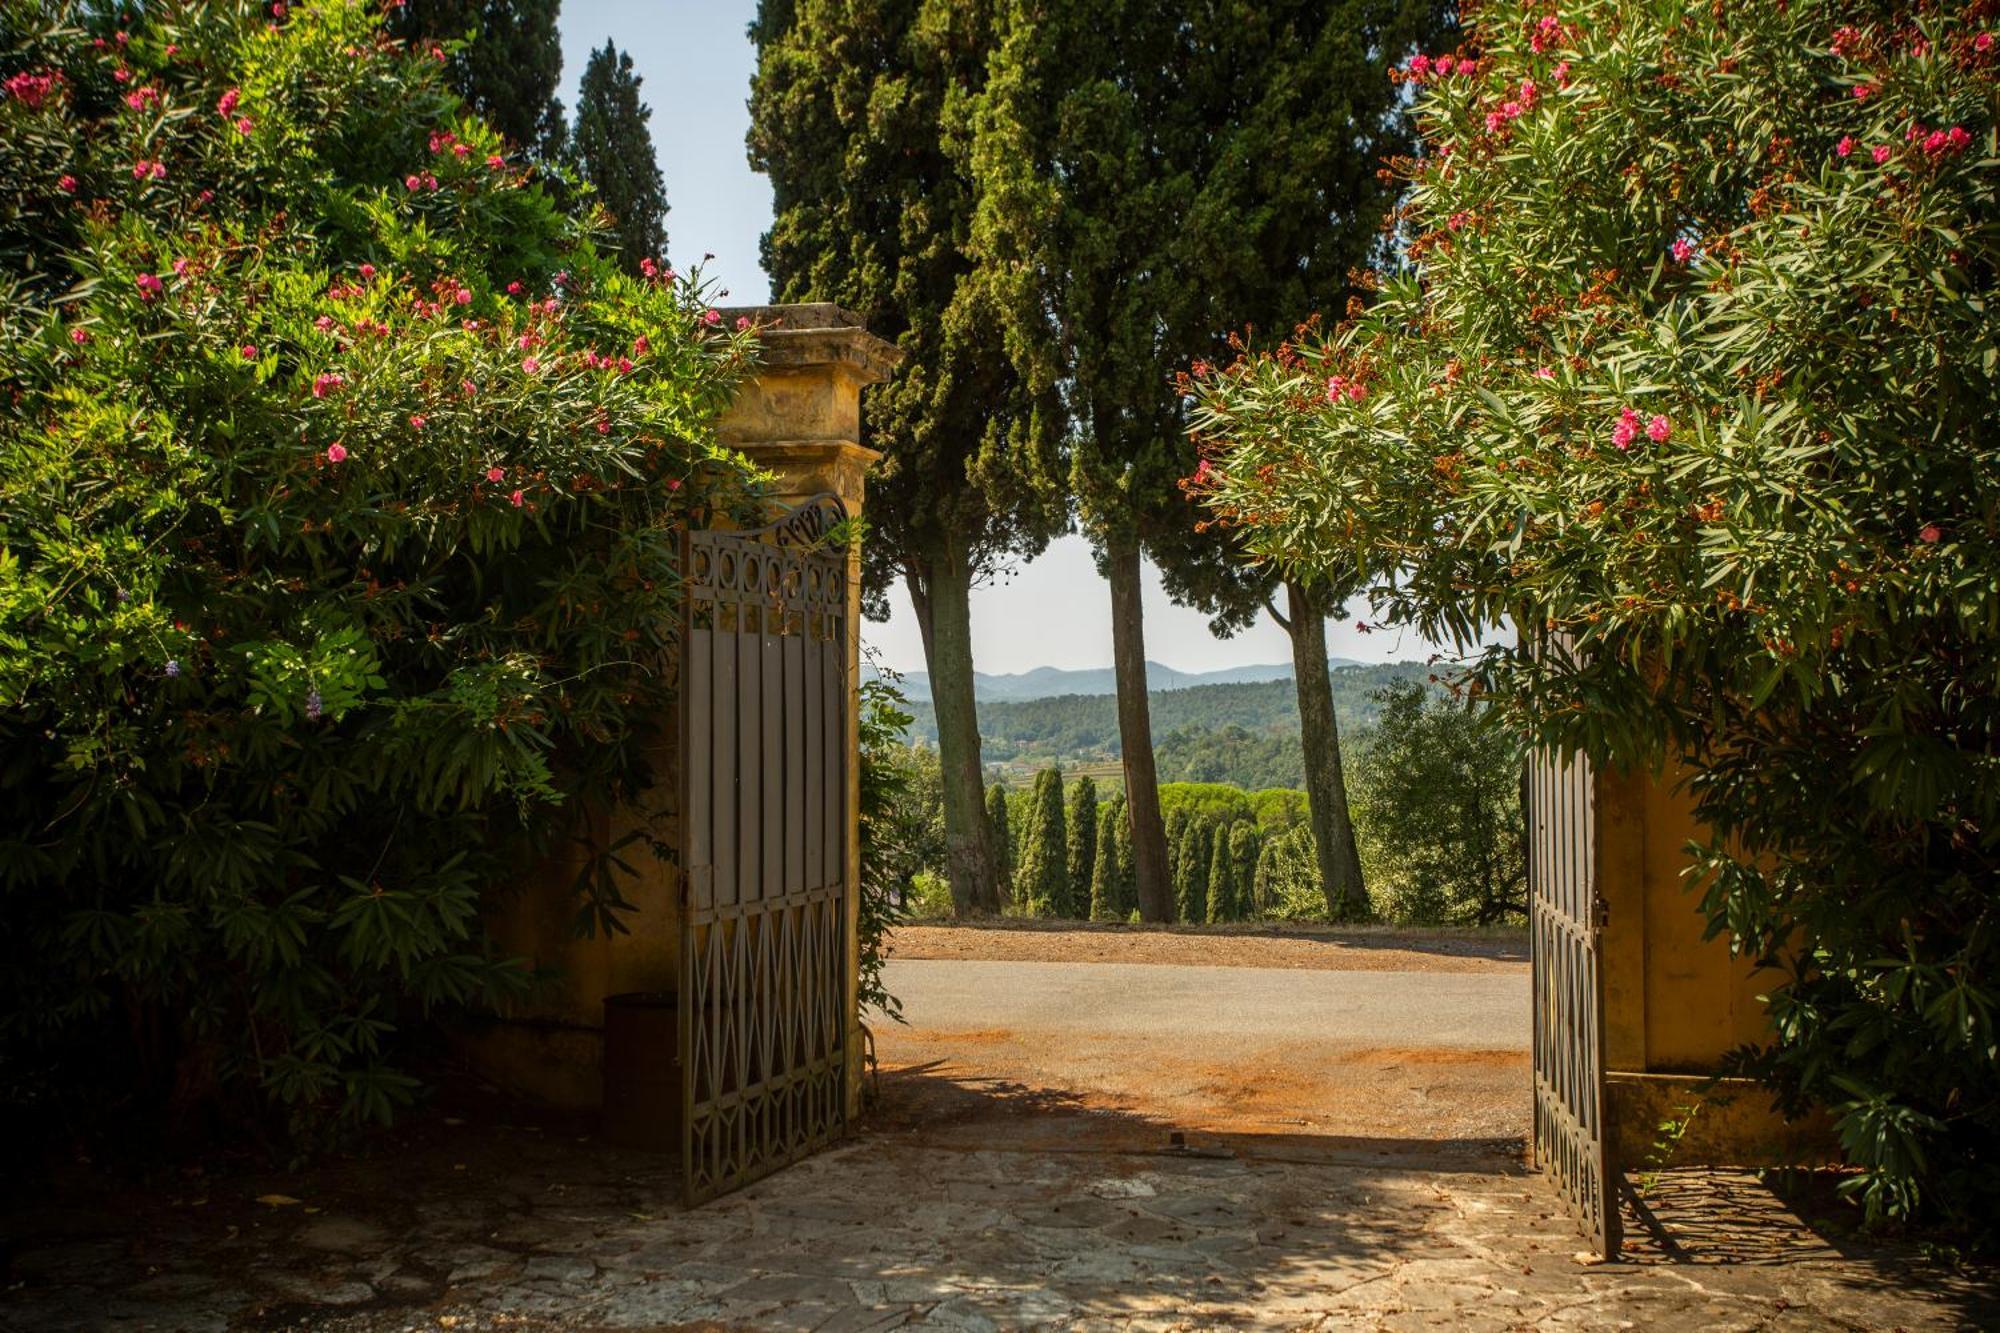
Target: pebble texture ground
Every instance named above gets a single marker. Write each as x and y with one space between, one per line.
883 1233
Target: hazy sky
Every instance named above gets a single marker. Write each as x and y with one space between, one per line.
695 63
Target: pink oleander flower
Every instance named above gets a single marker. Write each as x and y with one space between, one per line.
469 325
1443 65
367 271
149 286
496 474
513 289
1934 142
603 427
121 76
31 90
640 346
461 150
530 365
463 296
1658 429
1983 42
1494 120
1683 249
141 98
1561 72
1420 66
226 104
550 306
325 384
418 421
742 323
1356 391
67 183
495 161
181 266
324 323
624 365
1335 386
1457 221
336 452
244 125
1545 372
711 317
1862 92
1529 92
516 497
1930 533
1880 152
468 388
649 268
79 336
1627 429
248 351
1845 146
278 10
412 183
1957 139
1511 110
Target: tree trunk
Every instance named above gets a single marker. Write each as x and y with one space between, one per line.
943 602
1135 734
1319 736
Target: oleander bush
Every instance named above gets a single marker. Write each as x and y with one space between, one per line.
1693 357
339 486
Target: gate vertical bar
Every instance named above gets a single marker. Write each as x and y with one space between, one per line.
1565 929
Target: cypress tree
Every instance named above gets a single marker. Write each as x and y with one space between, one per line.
1104 866
1191 873
860 117
1082 823
999 837
614 150
1124 897
1152 175
1221 879
1245 846
508 73
1044 873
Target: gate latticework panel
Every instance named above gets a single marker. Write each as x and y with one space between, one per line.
763 949
1565 925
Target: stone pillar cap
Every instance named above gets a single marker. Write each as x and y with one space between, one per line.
818 333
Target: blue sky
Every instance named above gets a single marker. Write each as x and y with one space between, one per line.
695 62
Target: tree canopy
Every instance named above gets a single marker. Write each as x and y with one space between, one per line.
1695 366
613 148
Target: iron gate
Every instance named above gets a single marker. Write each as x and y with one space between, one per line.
763 947
1565 925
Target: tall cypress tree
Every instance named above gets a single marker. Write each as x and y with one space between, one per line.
860 117
999 838
1151 173
1044 874
1191 873
509 71
614 150
1104 867
1245 844
1222 904
1082 823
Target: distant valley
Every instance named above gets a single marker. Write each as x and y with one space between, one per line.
1052 682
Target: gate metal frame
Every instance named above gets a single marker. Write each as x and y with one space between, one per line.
1565 948
764 847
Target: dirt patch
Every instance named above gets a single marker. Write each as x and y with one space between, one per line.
1297 948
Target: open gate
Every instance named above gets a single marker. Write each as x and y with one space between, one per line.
1565 925
763 941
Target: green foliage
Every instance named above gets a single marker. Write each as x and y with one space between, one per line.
895 837
1083 728
507 71
613 148
1043 878
1438 808
1002 837
1081 823
1189 855
1697 362
337 581
1287 886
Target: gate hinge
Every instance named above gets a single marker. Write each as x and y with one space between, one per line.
1600 913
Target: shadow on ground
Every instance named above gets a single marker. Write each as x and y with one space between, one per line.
961 1203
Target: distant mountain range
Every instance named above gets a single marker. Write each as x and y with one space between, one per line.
1053 682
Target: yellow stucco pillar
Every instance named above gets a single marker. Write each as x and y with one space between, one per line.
798 417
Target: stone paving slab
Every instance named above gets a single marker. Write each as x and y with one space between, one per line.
882 1234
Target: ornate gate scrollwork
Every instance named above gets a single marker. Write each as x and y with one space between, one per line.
763 946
